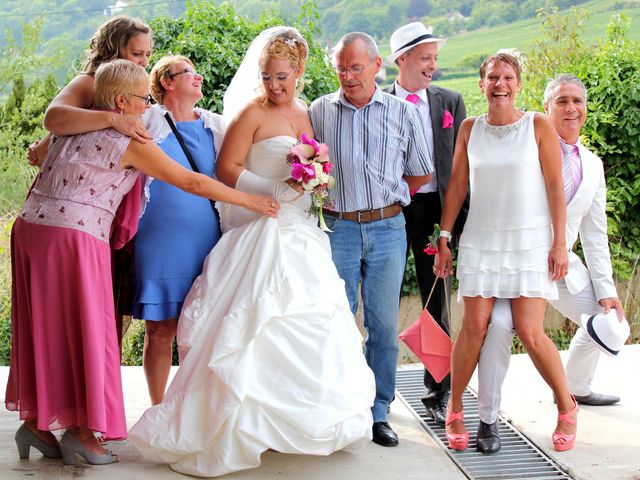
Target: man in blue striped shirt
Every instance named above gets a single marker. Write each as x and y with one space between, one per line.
377 144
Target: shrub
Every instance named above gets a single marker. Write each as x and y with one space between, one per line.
133 343
216 38
472 61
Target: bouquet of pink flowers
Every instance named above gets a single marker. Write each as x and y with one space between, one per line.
310 167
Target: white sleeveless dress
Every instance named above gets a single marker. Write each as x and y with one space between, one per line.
506 239
272 356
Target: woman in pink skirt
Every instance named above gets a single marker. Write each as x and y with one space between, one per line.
65 363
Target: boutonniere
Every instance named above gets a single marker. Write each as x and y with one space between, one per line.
447 119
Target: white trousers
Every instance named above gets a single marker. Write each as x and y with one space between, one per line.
496 349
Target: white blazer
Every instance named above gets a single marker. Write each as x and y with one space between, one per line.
586 217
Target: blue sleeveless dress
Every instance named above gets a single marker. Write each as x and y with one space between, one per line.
176 232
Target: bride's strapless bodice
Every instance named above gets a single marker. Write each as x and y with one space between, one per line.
268 157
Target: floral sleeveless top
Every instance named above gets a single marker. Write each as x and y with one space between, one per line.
81 183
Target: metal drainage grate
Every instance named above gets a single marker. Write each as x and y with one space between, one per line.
517 459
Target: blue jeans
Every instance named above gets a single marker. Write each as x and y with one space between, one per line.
374 254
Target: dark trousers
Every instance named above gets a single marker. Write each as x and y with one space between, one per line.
421 214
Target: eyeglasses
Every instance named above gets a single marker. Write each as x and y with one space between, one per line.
148 100
353 70
280 77
189 71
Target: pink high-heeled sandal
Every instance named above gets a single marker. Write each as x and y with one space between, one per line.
457 441
564 441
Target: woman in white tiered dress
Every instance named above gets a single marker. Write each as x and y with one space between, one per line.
271 355
513 242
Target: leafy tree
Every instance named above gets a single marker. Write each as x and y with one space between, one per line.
419 8
216 38
22 113
610 70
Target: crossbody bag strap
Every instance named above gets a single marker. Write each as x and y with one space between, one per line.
186 151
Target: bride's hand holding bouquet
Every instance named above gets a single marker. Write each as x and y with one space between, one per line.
310 170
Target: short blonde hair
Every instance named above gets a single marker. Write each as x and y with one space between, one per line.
161 70
115 78
110 39
286 44
501 57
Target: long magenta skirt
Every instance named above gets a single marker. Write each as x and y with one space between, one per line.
65 363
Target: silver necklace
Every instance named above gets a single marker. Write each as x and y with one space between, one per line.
293 127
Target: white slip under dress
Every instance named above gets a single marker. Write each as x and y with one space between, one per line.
506 239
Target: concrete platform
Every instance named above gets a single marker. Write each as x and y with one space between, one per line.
608 442
607 448
417 457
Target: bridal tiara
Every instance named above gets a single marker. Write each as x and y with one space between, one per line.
291 42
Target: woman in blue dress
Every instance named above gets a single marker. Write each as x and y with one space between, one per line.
177 230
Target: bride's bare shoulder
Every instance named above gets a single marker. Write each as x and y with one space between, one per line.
300 103
252 110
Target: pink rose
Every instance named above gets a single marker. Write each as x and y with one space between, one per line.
447 119
430 250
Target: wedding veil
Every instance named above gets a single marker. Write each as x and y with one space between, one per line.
245 85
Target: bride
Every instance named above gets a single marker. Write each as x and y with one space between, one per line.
270 354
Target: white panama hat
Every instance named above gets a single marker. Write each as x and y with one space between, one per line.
607 331
410 35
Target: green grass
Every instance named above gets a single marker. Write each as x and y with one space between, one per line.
519 35
522 34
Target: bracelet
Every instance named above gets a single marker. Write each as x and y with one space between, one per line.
113 120
445 234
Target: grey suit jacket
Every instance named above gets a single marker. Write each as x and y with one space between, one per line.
444 139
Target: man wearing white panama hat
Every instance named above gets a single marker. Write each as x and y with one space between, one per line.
583 290
415 50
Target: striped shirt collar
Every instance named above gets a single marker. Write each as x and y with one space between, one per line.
339 97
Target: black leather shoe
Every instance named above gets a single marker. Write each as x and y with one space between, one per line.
488 439
439 413
596 399
384 435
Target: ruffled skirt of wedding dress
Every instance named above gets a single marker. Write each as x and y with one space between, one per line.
274 356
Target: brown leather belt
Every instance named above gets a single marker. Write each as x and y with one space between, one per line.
366 216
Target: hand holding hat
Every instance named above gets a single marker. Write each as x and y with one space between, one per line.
612 302
607 331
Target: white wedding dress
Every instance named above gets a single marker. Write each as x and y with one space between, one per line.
272 356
